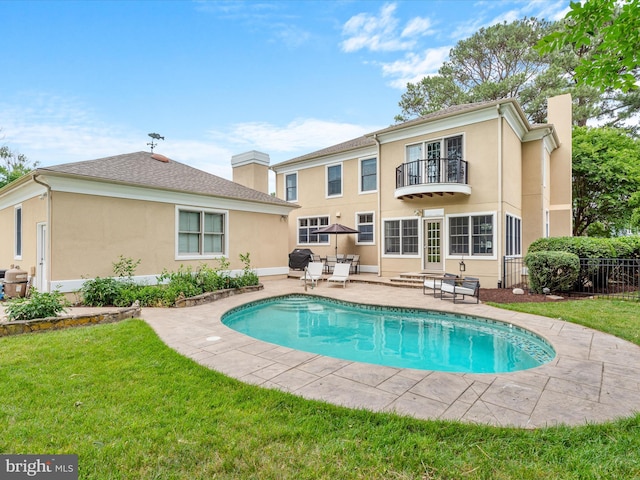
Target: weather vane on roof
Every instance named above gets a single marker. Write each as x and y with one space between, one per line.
154 136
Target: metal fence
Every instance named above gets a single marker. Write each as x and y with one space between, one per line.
599 277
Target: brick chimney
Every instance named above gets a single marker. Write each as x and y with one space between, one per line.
251 169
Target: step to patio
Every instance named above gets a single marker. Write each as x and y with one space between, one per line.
415 279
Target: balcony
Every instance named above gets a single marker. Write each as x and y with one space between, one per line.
432 177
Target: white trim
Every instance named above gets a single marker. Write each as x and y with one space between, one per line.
21 194
115 190
457 121
366 212
366 192
326 180
470 255
425 188
284 196
225 253
74 285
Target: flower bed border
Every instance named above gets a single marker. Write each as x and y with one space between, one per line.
80 320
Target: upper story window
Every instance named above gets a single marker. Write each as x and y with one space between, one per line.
364 224
201 233
471 235
513 236
18 232
368 175
334 180
308 225
447 148
291 187
401 237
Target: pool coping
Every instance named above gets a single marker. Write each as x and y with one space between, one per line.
592 379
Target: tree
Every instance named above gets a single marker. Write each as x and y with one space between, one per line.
500 62
610 30
606 175
13 165
495 62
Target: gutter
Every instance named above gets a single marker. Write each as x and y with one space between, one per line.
379 207
47 246
499 214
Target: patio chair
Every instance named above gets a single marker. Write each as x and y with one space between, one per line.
340 257
313 273
340 274
330 263
315 257
355 263
467 286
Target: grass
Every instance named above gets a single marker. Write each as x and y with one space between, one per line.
131 408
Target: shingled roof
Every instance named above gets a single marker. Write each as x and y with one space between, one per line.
156 171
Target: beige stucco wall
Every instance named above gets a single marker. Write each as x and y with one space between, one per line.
88 233
341 209
534 192
33 212
560 201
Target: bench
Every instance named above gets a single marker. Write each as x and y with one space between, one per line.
467 286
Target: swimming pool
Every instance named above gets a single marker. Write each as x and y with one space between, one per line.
391 336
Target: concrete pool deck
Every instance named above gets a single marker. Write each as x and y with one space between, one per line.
594 378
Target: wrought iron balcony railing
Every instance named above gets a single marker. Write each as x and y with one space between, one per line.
432 171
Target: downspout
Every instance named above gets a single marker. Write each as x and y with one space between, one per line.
379 207
47 245
500 186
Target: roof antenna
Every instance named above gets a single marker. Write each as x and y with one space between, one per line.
154 136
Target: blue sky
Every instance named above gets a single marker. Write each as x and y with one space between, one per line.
87 79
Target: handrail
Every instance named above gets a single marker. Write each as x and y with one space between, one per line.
436 170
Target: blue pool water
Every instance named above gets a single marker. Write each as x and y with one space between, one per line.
395 337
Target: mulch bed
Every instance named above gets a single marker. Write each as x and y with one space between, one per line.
506 295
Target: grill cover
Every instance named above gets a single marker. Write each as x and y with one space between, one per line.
299 258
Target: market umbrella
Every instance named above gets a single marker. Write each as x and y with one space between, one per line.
337 229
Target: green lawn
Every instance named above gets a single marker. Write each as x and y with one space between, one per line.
131 408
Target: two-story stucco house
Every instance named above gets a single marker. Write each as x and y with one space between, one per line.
472 183
66 223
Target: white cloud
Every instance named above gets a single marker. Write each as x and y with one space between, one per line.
375 33
418 26
413 67
297 137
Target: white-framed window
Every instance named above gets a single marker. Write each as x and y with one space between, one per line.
401 236
17 252
291 187
368 175
200 233
366 227
334 180
308 225
513 236
472 235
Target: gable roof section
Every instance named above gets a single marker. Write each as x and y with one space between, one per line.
141 169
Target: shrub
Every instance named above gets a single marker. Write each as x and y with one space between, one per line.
37 305
557 271
583 247
101 292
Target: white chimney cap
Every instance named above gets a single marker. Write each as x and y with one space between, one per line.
250 157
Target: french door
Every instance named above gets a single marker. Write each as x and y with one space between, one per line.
432 254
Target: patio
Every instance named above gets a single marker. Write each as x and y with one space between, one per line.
591 380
